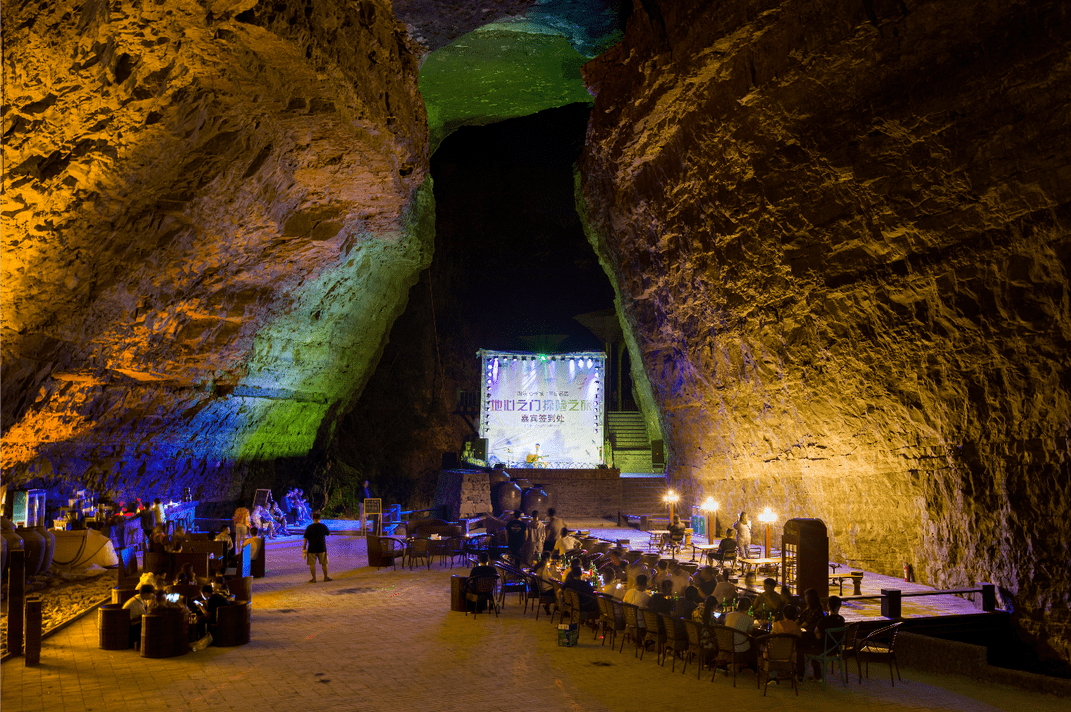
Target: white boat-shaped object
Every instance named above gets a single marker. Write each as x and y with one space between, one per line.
83 548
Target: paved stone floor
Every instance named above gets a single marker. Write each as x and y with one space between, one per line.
378 640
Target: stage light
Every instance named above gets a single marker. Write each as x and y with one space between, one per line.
589 363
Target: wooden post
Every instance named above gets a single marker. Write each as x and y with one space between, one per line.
16 597
33 631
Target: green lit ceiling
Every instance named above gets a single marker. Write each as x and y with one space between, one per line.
518 67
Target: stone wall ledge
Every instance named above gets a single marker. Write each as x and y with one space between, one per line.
926 653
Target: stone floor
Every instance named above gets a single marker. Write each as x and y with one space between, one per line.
378 640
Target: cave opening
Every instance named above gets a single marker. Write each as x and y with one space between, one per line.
511 270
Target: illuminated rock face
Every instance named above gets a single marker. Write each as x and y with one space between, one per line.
838 234
211 218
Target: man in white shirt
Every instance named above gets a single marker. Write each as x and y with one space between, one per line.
724 591
740 620
138 606
566 542
638 596
555 524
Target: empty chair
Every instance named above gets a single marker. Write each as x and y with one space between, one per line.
418 549
777 661
656 633
879 646
675 640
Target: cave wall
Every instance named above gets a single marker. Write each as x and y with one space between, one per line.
212 213
839 233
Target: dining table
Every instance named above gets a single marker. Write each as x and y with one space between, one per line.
757 563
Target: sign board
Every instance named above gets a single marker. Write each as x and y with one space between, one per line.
260 499
373 506
542 410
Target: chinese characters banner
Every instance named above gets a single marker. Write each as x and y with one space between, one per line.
542 410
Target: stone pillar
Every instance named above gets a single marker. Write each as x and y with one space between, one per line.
33 631
16 596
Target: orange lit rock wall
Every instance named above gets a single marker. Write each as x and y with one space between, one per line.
838 231
212 213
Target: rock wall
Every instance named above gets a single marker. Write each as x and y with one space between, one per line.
212 213
839 235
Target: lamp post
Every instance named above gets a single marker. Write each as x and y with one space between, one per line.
767 517
710 508
671 499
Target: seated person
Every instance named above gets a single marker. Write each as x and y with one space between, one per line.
726 548
157 543
177 540
680 576
817 644
787 624
740 620
566 542
662 602
705 580
676 532
225 535
688 603
483 568
253 542
138 606
812 612
769 603
617 562
724 591
661 573
638 596
216 596
574 580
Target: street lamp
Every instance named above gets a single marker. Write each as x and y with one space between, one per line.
671 499
766 517
710 508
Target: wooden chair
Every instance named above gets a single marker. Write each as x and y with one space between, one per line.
633 629
727 654
511 580
390 551
656 633
832 652
481 589
777 660
676 640
875 648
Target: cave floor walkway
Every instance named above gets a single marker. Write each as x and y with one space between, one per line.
386 640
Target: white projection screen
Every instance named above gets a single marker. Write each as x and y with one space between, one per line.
542 411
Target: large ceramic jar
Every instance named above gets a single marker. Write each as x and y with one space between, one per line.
497 477
506 497
50 547
12 541
34 545
535 497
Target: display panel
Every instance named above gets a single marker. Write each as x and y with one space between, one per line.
542 410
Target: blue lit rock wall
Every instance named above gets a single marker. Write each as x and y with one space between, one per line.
211 217
839 235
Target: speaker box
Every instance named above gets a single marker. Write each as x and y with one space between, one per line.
479 449
658 453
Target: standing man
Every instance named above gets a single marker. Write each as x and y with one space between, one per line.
743 535
314 546
554 530
516 533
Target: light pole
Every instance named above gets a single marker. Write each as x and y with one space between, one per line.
767 517
671 499
710 508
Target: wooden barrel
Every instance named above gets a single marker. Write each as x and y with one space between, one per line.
232 624
113 627
164 635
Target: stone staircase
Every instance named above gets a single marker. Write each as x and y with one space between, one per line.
631 448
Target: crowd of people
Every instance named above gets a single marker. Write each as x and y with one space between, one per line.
156 594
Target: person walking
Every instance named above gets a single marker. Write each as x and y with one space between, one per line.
314 546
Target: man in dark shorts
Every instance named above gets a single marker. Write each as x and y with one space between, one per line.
314 547
516 531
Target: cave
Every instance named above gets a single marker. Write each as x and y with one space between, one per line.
835 238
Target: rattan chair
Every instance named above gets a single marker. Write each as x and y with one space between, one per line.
511 580
546 596
879 646
697 647
656 633
561 601
676 640
579 615
727 655
418 549
633 629
481 589
777 660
